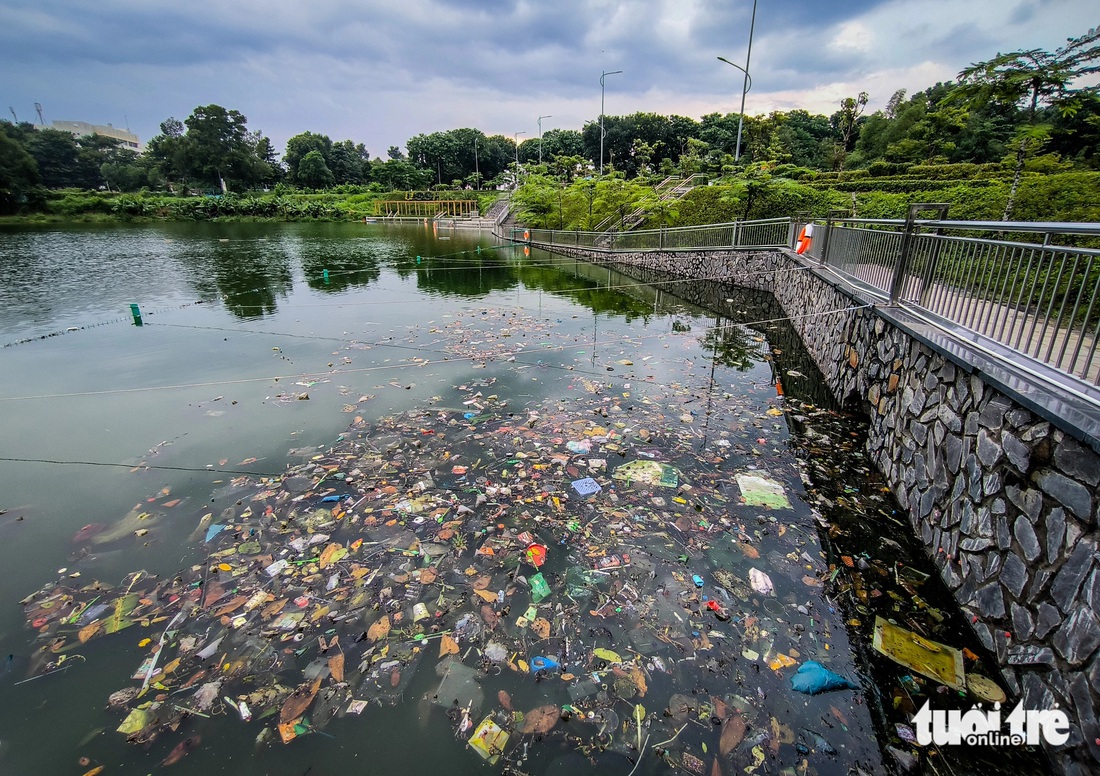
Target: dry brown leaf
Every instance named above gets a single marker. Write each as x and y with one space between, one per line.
482 582
232 606
379 630
486 595
88 631
491 618
733 731
336 666
447 646
505 700
638 675
300 700
428 575
540 720
541 626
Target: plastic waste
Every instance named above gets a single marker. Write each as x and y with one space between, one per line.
539 588
761 582
541 663
758 491
489 740
813 678
928 658
648 473
586 486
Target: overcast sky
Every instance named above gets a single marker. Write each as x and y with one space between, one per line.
381 71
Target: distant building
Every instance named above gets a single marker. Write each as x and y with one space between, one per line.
81 128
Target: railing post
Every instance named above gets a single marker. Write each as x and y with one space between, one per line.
933 260
897 287
832 214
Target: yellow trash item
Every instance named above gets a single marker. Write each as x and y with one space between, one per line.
927 658
489 740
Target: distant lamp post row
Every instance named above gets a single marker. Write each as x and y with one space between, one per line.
746 82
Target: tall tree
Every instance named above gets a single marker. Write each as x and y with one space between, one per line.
313 172
1035 78
846 121
300 145
18 171
217 148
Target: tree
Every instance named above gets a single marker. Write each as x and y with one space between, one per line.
57 156
216 146
313 172
167 152
349 162
846 122
1033 77
18 171
302 144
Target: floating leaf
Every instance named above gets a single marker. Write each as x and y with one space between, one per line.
336 666
428 575
447 646
541 626
733 731
638 675
379 630
331 554
505 700
88 631
607 654
540 720
300 700
486 595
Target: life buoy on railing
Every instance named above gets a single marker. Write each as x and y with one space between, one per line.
804 238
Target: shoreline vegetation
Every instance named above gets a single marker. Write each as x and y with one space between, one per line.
541 201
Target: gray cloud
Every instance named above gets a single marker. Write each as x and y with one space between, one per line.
379 72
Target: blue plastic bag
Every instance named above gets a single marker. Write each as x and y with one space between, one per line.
813 678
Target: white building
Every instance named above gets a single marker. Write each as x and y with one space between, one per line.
81 128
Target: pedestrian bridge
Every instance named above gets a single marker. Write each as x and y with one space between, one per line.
972 349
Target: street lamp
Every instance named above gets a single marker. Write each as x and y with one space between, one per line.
477 172
540 135
602 76
515 139
746 82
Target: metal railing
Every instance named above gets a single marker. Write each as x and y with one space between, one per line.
1019 285
769 233
1015 283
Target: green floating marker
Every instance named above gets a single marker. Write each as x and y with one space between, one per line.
325 273
136 312
417 259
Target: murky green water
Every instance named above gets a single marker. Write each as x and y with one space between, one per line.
423 368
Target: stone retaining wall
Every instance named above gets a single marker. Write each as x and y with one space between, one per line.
1004 501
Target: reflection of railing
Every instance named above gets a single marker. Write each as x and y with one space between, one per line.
1016 283
1013 285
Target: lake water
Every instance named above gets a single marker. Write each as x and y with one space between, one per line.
443 393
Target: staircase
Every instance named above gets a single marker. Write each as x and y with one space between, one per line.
671 189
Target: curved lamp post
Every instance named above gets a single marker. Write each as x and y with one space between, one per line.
603 75
540 135
746 82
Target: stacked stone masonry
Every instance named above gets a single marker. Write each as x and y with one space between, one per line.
1004 501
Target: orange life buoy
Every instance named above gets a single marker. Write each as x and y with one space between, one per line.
526 235
804 238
